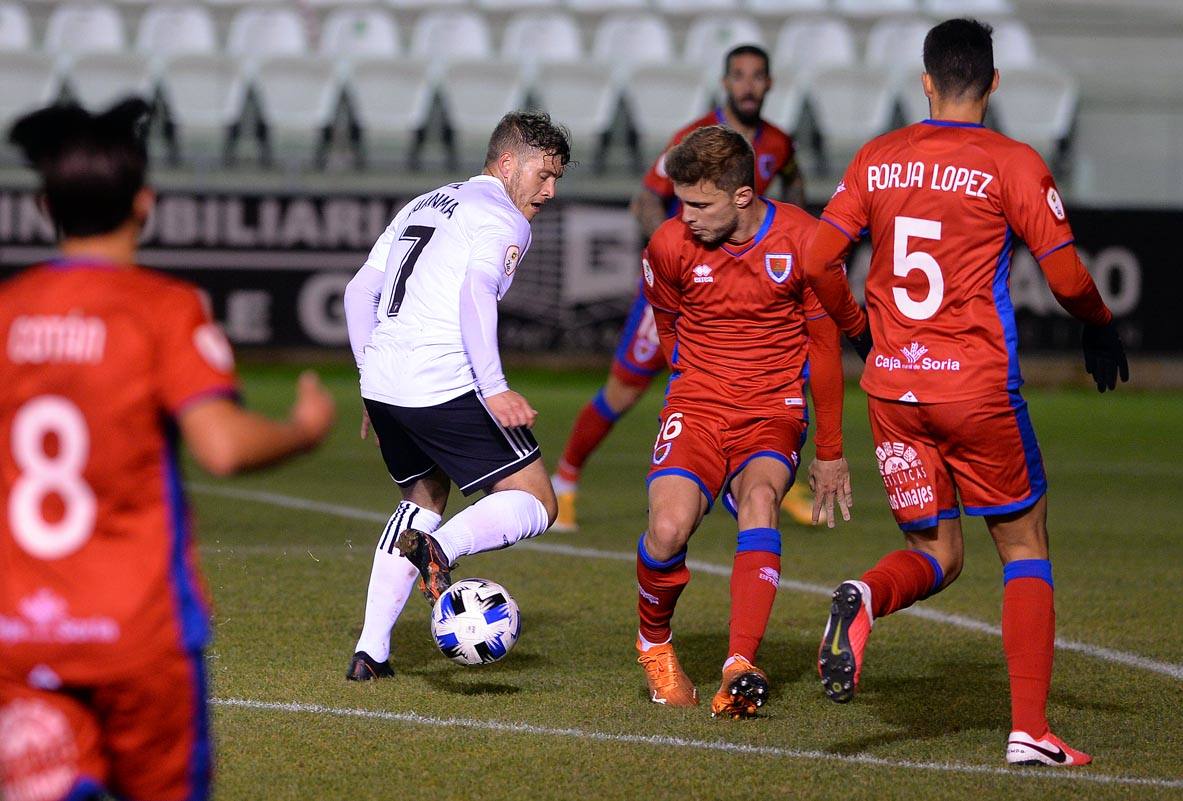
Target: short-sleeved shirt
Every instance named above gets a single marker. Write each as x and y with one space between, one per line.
774 153
741 313
415 356
97 567
943 203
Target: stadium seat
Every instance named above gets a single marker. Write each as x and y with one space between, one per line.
626 40
661 99
97 80
1013 45
785 101
947 9
352 33
298 99
603 6
442 36
805 45
875 8
263 32
1036 105
851 105
682 7
15 31
424 4
515 5
30 82
896 45
576 94
391 99
169 30
75 28
476 95
205 94
531 39
784 8
710 38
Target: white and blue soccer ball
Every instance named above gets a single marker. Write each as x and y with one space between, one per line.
475 622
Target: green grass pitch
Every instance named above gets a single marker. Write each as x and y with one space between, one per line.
287 554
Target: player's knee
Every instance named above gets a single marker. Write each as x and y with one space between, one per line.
759 497
667 536
620 396
551 504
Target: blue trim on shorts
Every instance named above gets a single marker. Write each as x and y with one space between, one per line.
1028 568
758 539
937 572
1035 475
190 608
85 789
602 407
1006 310
669 564
681 471
201 761
930 521
729 502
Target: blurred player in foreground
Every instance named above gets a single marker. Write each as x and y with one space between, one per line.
943 201
103 614
638 359
422 316
737 323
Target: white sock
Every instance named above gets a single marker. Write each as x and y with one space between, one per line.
562 485
497 520
646 645
392 579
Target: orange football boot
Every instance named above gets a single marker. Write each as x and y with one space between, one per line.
668 683
744 690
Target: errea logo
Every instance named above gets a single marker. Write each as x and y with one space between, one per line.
702 274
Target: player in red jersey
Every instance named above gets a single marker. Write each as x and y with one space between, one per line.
638 356
103 614
737 322
943 201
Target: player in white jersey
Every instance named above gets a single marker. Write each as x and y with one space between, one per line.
422 317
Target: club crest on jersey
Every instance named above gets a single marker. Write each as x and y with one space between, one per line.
778 266
512 254
764 164
647 271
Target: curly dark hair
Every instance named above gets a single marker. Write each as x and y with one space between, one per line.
530 130
91 165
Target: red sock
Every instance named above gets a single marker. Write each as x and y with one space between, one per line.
659 588
899 580
754 577
1028 638
592 425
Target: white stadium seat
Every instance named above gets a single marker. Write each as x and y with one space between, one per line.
710 38
602 6
695 6
851 105
205 93
169 30
576 94
515 5
97 80
476 95
442 36
76 28
263 32
808 44
624 41
30 82
661 99
351 33
785 101
532 39
875 8
897 46
947 9
298 97
15 31
1036 105
424 4
783 8
391 98
1013 45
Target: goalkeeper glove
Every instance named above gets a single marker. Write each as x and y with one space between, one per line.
1104 356
862 342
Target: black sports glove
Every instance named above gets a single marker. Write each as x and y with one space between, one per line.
862 343
1104 356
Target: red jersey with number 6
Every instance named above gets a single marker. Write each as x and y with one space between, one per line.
943 203
97 571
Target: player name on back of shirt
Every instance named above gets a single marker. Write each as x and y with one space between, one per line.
923 175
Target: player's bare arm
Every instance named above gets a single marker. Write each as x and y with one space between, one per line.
829 474
226 438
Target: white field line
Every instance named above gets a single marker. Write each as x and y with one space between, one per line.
509 727
1171 669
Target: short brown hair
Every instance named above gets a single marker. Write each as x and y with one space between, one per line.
520 130
716 154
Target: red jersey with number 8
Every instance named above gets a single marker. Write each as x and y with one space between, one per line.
943 203
97 569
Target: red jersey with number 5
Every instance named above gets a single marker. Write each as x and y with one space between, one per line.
943 203
97 571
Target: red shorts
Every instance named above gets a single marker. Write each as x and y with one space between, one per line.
146 736
638 352
711 443
982 451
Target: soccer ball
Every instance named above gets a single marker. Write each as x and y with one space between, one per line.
475 622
